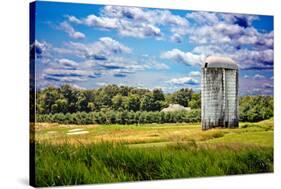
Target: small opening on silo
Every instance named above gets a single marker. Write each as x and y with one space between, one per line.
206 64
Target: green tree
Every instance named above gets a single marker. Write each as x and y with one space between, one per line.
147 103
255 108
71 95
195 102
61 105
84 98
119 102
133 103
158 95
182 97
49 97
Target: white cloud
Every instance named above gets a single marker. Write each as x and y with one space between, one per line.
220 33
158 17
228 35
212 49
71 32
103 57
194 74
246 58
267 86
74 20
103 22
183 81
187 58
121 64
253 59
212 18
77 35
176 38
231 35
257 90
68 75
152 63
250 36
42 51
63 79
77 86
95 21
101 83
68 79
259 76
68 63
140 30
132 21
125 27
100 50
212 33
159 66
242 20
206 18
113 45
40 48
64 72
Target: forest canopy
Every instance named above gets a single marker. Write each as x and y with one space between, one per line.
67 99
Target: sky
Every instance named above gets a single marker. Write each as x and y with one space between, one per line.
89 46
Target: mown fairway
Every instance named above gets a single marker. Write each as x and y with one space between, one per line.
81 154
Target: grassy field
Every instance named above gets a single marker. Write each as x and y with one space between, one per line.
83 154
260 133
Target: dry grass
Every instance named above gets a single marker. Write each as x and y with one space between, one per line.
260 133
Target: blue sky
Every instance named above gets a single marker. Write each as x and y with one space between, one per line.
89 46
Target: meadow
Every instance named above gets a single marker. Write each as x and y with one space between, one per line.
82 154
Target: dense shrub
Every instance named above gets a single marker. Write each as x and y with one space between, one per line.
123 117
255 108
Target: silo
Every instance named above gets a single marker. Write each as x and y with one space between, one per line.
219 93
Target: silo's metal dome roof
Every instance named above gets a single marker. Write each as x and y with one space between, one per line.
220 62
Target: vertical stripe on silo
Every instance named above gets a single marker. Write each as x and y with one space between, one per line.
231 92
212 97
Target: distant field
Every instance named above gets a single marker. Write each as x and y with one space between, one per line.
83 154
260 133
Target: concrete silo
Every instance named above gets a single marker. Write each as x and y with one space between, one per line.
219 93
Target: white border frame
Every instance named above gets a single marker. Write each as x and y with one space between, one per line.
15 87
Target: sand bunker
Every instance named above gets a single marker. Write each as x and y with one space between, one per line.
75 130
77 133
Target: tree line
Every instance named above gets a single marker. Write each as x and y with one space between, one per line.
122 117
67 99
114 104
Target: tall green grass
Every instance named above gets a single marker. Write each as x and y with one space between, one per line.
101 163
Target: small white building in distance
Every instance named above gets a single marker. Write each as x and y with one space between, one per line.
175 108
